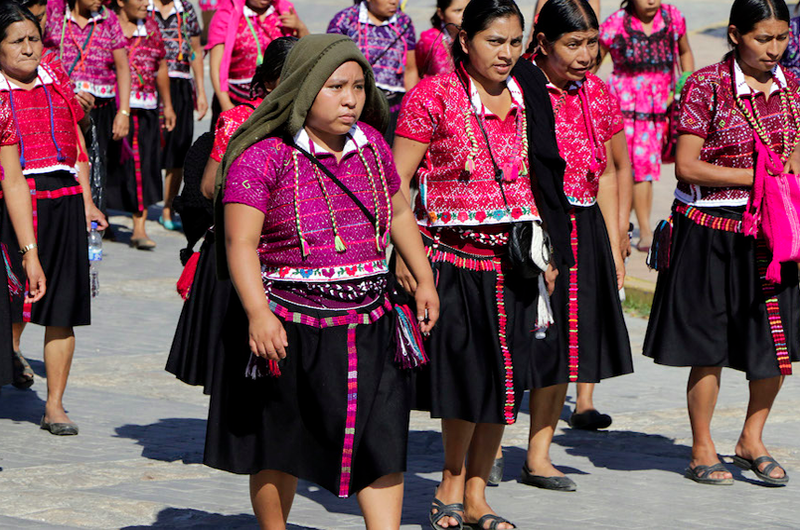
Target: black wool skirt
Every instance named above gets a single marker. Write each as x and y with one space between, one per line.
710 308
481 348
6 342
63 252
178 141
103 114
595 346
198 338
135 181
297 422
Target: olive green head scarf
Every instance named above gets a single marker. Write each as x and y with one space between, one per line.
308 66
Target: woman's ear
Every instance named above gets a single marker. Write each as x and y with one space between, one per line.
733 35
543 44
462 40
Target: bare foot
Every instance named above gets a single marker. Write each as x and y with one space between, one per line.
755 450
477 508
708 457
449 492
54 413
543 469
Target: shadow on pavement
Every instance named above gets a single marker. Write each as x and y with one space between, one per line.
626 450
188 518
169 440
23 405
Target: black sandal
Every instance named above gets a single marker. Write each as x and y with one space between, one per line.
445 510
23 373
496 521
754 465
702 475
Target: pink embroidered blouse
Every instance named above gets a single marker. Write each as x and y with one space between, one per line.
229 27
293 200
145 52
433 52
582 141
45 118
228 122
87 54
709 111
437 112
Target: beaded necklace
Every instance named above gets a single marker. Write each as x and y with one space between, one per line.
788 106
135 47
59 154
515 165
381 240
83 50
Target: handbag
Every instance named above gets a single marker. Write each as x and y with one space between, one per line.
773 210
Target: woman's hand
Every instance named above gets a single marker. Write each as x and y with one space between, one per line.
267 336
624 243
619 265
37 284
403 275
93 213
550 276
427 306
291 21
169 118
86 100
121 125
793 164
202 105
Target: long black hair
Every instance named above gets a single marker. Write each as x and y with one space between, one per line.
30 3
269 71
745 14
436 20
559 17
478 16
11 13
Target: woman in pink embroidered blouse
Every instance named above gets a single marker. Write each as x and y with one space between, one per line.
715 305
464 138
307 212
595 343
433 48
52 156
237 39
135 182
647 41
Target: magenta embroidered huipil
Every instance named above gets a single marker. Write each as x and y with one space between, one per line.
385 46
581 141
710 112
437 112
145 52
294 203
86 54
45 117
433 52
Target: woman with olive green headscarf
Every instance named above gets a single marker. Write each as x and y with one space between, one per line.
307 196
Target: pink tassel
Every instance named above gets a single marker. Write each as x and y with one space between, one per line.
774 272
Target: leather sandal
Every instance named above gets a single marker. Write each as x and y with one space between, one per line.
702 475
755 465
59 429
445 510
496 521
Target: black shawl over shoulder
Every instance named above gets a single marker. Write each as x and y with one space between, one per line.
546 165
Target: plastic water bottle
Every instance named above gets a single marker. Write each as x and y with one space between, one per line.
95 257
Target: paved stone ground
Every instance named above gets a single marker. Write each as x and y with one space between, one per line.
136 463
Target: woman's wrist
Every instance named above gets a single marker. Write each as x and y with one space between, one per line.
29 248
124 111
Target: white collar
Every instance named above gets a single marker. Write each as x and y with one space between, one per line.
356 139
363 16
250 13
743 89
516 96
141 29
92 17
177 7
572 85
44 78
